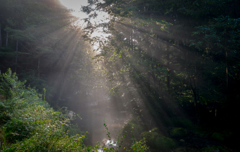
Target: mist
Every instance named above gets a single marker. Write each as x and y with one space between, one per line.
120 75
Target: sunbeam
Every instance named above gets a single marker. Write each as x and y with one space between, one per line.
119 75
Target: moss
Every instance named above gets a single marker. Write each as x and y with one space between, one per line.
157 141
178 132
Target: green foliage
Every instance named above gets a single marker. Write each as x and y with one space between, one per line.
180 122
32 124
9 85
3 106
218 136
133 145
139 146
108 133
157 141
216 32
33 81
214 148
164 57
132 130
178 132
41 53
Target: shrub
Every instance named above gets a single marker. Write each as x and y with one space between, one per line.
30 124
182 122
214 149
133 130
218 136
178 132
140 146
157 141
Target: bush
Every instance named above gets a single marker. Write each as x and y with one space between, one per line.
214 149
140 146
133 130
182 122
30 124
3 116
157 141
218 136
178 132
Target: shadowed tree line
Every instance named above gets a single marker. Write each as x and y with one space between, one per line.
41 42
169 59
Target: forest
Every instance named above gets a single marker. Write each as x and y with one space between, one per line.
164 79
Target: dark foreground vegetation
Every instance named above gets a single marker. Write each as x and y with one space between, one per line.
174 62
28 123
168 75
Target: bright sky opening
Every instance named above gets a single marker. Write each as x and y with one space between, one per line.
75 6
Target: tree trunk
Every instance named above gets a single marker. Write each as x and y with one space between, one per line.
193 85
0 35
51 67
7 39
168 68
132 39
38 68
16 58
196 105
226 70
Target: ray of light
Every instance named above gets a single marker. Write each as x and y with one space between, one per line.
75 6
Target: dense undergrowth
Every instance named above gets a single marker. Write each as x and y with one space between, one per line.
28 123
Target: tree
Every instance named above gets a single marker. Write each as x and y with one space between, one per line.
178 55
